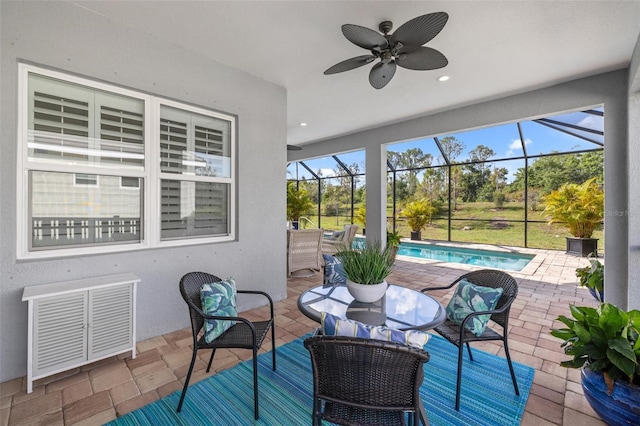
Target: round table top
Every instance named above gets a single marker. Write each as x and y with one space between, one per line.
401 308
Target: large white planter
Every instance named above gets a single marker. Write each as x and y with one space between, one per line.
367 293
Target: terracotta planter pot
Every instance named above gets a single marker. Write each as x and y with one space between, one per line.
622 407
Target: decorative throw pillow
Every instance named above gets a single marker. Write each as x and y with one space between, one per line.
470 298
218 299
333 325
333 272
337 235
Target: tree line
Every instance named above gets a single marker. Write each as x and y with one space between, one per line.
420 176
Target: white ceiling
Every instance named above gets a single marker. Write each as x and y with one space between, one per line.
494 49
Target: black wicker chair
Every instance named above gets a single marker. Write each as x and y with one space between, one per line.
364 381
460 336
244 334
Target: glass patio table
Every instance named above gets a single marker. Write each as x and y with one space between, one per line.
400 308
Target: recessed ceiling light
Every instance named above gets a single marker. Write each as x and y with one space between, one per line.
443 78
302 124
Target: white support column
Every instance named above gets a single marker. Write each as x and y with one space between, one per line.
376 184
617 188
633 212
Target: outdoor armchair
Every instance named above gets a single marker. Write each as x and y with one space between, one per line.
363 381
344 240
244 334
459 335
304 251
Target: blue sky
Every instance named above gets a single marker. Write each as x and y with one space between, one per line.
504 140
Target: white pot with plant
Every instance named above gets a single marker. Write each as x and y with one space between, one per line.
367 268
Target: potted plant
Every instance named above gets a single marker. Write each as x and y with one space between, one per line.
360 217
604 343
298 202
366 267
418 214
592 277
393 242
581 209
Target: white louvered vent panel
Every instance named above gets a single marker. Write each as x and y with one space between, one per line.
110 320
59 332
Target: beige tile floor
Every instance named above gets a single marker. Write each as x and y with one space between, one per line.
99 392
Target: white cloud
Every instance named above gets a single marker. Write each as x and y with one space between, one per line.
516 146
326 172
591 122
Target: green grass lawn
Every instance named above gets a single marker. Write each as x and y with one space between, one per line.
479 222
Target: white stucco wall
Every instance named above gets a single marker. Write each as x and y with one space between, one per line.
65 37
608 89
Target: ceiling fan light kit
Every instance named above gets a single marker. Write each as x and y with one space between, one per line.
403 48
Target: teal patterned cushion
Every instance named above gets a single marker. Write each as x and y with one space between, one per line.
470 298
218 299
333 325
333 272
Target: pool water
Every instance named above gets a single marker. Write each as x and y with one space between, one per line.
486 258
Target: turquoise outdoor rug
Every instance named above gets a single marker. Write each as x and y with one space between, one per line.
225 399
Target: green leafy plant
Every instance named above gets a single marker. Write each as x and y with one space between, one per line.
367 263
393 239
592 276
418 214
298 201
579 207
604 340
360 216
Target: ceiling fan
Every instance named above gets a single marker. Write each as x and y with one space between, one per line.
402 48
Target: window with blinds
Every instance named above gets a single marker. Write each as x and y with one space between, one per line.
74 124
86 177
195 165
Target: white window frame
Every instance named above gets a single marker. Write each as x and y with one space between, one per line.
151 174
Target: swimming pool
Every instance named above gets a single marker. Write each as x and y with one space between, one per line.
469 256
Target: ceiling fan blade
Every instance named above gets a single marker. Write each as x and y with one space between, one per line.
422 58
364 37
350 64
381 74
418 31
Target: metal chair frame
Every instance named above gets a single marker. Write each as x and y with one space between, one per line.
364 381
244 334
460 336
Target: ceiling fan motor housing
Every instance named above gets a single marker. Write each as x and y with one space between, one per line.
385 27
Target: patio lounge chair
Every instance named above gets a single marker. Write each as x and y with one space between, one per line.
343 240
244 334
363 381
461 336
304 251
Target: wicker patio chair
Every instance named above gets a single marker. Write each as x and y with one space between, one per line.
366 382
460 336
304 251
244 334
332 246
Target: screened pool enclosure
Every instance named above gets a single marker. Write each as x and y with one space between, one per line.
483 186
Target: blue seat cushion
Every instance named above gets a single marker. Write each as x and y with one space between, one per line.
218 299
333 325
470 298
